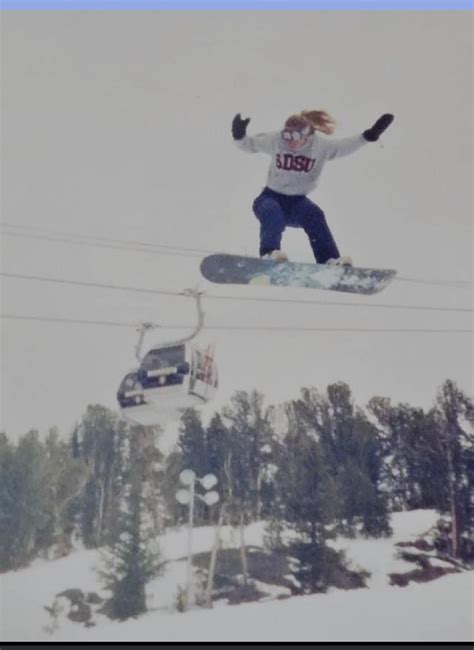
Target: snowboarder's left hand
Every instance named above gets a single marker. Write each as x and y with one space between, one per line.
375 131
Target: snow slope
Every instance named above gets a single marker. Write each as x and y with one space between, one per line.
436 611
440 611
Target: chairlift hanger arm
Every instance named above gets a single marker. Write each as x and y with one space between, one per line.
200 322
144 327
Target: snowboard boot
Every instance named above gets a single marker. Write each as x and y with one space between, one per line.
276 255
340 261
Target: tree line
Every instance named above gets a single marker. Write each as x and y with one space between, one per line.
315 466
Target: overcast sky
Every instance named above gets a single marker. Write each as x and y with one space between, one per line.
117 125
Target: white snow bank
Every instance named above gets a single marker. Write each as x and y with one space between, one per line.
436 611
379 556
26 592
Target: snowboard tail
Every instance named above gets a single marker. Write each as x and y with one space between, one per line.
237 269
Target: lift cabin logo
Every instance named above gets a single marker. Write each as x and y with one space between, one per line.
293 163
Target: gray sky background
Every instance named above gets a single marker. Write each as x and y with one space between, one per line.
117 124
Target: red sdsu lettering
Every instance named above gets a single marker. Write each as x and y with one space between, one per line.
299 163
294 163
288 161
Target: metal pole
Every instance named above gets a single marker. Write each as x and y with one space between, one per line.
189 568
212 564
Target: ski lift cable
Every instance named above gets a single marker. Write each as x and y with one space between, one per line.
274 328
95 238
94 285
112 246
340 303
181 251
460 284
128 288
72 321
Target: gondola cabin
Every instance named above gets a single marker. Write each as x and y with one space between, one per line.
182 375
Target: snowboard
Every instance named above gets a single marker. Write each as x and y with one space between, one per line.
237 269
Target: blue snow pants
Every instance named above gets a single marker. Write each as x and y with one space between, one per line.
276 211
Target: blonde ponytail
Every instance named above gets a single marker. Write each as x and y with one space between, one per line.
320 120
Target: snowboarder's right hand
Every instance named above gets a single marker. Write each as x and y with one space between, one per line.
239 127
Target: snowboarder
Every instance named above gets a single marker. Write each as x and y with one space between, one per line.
298 157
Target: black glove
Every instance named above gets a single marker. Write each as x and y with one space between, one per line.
378 128
239 127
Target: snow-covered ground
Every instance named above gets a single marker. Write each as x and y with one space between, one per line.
378 556
440 610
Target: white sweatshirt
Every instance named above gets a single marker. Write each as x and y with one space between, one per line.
297 172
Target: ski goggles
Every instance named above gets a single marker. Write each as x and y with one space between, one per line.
296 135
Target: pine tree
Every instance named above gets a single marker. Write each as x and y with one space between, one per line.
100 439
452 407
193 456
192 442
350 454
307 495
424 452
132 558
405 432
66 478
8 500
251 438
219 448
176 514
25 493
307 501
